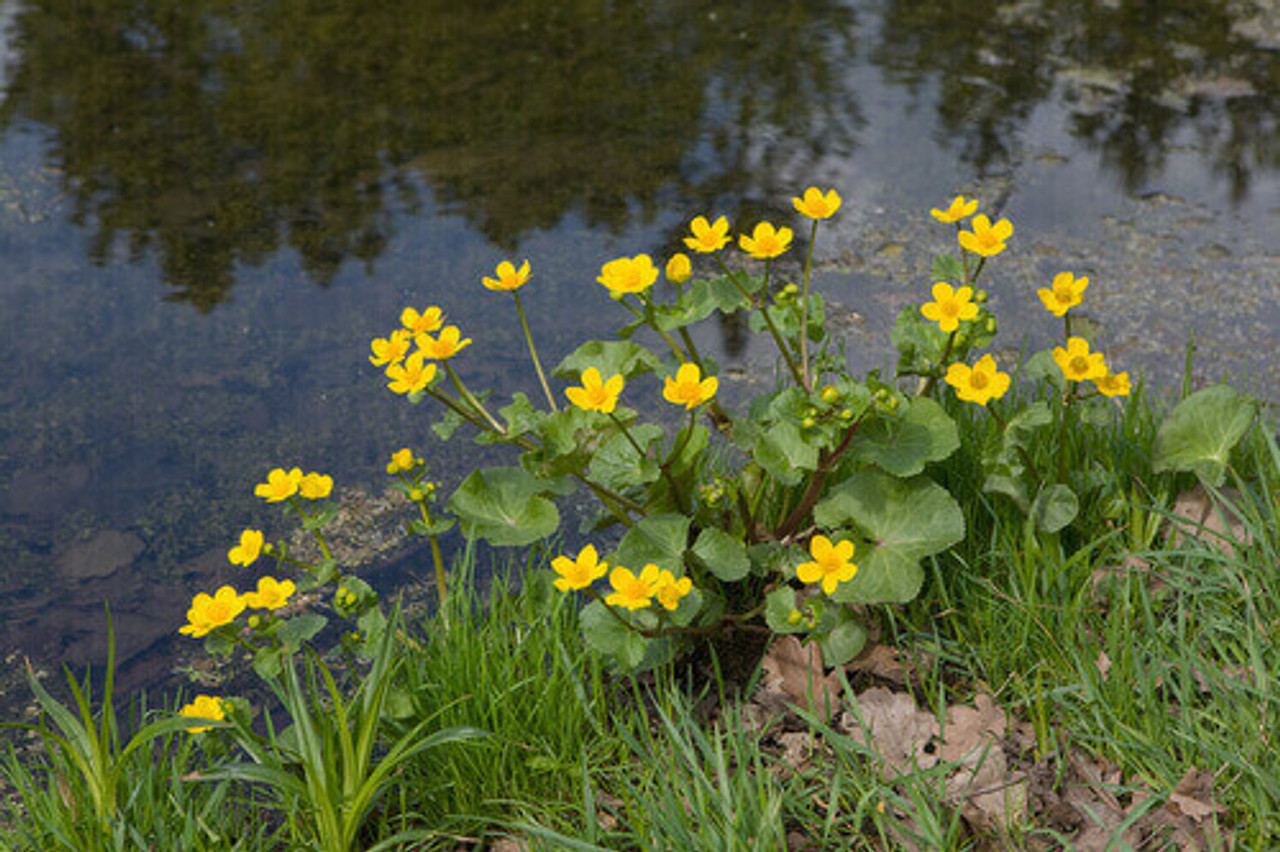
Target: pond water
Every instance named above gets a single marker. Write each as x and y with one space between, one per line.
209 210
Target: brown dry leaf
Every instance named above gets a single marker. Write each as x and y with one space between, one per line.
990 796
1197 516
797 671
894 729
882 661
1097 811
1129 565
1104 664
796 748
509 844
1194 796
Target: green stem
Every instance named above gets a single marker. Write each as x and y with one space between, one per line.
804 312
533 352
649 321
982 261
435 553
472 401
926 387
826 463
1022 451
768 320
324 548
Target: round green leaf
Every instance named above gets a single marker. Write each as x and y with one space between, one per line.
724 555
778 606
844 641
926 433
660 539
905 519
1054 508
607 635
1200 432
502 505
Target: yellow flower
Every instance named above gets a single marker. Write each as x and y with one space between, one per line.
1067 292
271 594
390 350
688 388
669 591
443 346
630 591
248 550
595 395
1077 363
986 239
581 572
207 613
679 268
816 205
421 323
1113 384
628 274
279 485
508 278
766 242
959 209
949 306
981 383
204 707
315 486
708 237
411 376
831 563
403 461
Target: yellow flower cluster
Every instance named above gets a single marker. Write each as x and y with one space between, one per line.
282 484
207 707
630 591
403 461
207 613
410 373
687 388
983 382
1078 364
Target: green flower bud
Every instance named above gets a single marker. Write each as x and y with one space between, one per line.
794 617
990 325
617 296
350 598
830 394
808 423
811 412
846 414
791 289
416 494
255 621
980 297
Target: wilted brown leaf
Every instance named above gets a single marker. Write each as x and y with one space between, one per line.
894 729
796 670
1198 516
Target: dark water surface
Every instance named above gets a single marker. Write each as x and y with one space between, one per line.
210 208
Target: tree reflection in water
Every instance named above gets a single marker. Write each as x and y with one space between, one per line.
214 134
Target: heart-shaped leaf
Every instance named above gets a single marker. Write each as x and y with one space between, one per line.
504 506
1200 432
906 520
926 433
